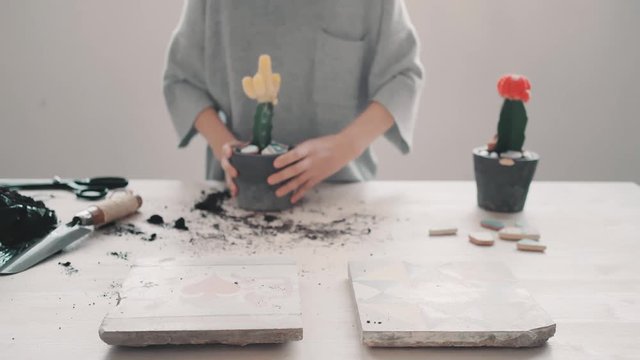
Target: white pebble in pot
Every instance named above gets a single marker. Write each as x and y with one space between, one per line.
510 154
250 149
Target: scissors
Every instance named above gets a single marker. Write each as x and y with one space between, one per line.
94 188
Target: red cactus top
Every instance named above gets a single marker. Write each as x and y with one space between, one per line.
514 87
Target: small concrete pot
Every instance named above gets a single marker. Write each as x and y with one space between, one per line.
254 193
503 188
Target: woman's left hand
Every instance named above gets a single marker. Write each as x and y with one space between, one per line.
310 162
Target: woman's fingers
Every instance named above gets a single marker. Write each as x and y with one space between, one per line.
233 189
230 171
226 150
289 172
299 194
290 157
228 168
292 185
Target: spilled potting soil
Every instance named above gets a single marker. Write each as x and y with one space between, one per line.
120 255
155 219
23 219
214 223
213 202
258 229
68 268
119 229
151 237
180 224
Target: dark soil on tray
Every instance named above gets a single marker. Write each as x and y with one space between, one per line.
23 219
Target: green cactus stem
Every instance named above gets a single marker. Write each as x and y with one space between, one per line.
262 125
511 127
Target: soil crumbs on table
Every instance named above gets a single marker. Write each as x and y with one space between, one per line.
215 224
180 224
151 237
235 224
119 230
113 293
155 219
120 255
68 268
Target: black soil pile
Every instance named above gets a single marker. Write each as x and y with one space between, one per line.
213 202
155 219
270 218
23 219
180 224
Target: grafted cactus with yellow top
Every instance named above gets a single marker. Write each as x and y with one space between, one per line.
263 87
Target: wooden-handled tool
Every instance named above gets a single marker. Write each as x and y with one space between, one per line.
121 204
118 206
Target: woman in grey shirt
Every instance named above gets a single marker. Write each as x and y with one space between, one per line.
350 73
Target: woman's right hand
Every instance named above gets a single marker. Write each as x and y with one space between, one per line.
216 132
229 171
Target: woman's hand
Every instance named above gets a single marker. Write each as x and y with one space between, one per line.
229 171
314 160
221 141
310 162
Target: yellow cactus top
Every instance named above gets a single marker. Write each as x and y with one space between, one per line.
264 85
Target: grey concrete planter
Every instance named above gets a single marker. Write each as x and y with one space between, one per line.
503 188
254 193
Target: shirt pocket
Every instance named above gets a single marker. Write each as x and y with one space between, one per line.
338 86
338 69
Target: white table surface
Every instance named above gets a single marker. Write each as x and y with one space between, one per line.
588 280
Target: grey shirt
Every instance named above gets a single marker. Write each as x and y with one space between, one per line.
335 57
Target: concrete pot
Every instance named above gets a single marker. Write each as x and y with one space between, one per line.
503 188
254 193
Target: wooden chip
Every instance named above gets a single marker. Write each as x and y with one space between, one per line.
443 231
528 232
482 238
531 245
531 234
492 224
511 233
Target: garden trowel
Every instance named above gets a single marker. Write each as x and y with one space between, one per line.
120 205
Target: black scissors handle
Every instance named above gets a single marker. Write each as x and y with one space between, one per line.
109 182
41 185
94 188
91 193
90 188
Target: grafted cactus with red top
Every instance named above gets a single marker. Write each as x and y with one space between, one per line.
516 90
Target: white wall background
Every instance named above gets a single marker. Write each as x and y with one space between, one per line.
80 88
